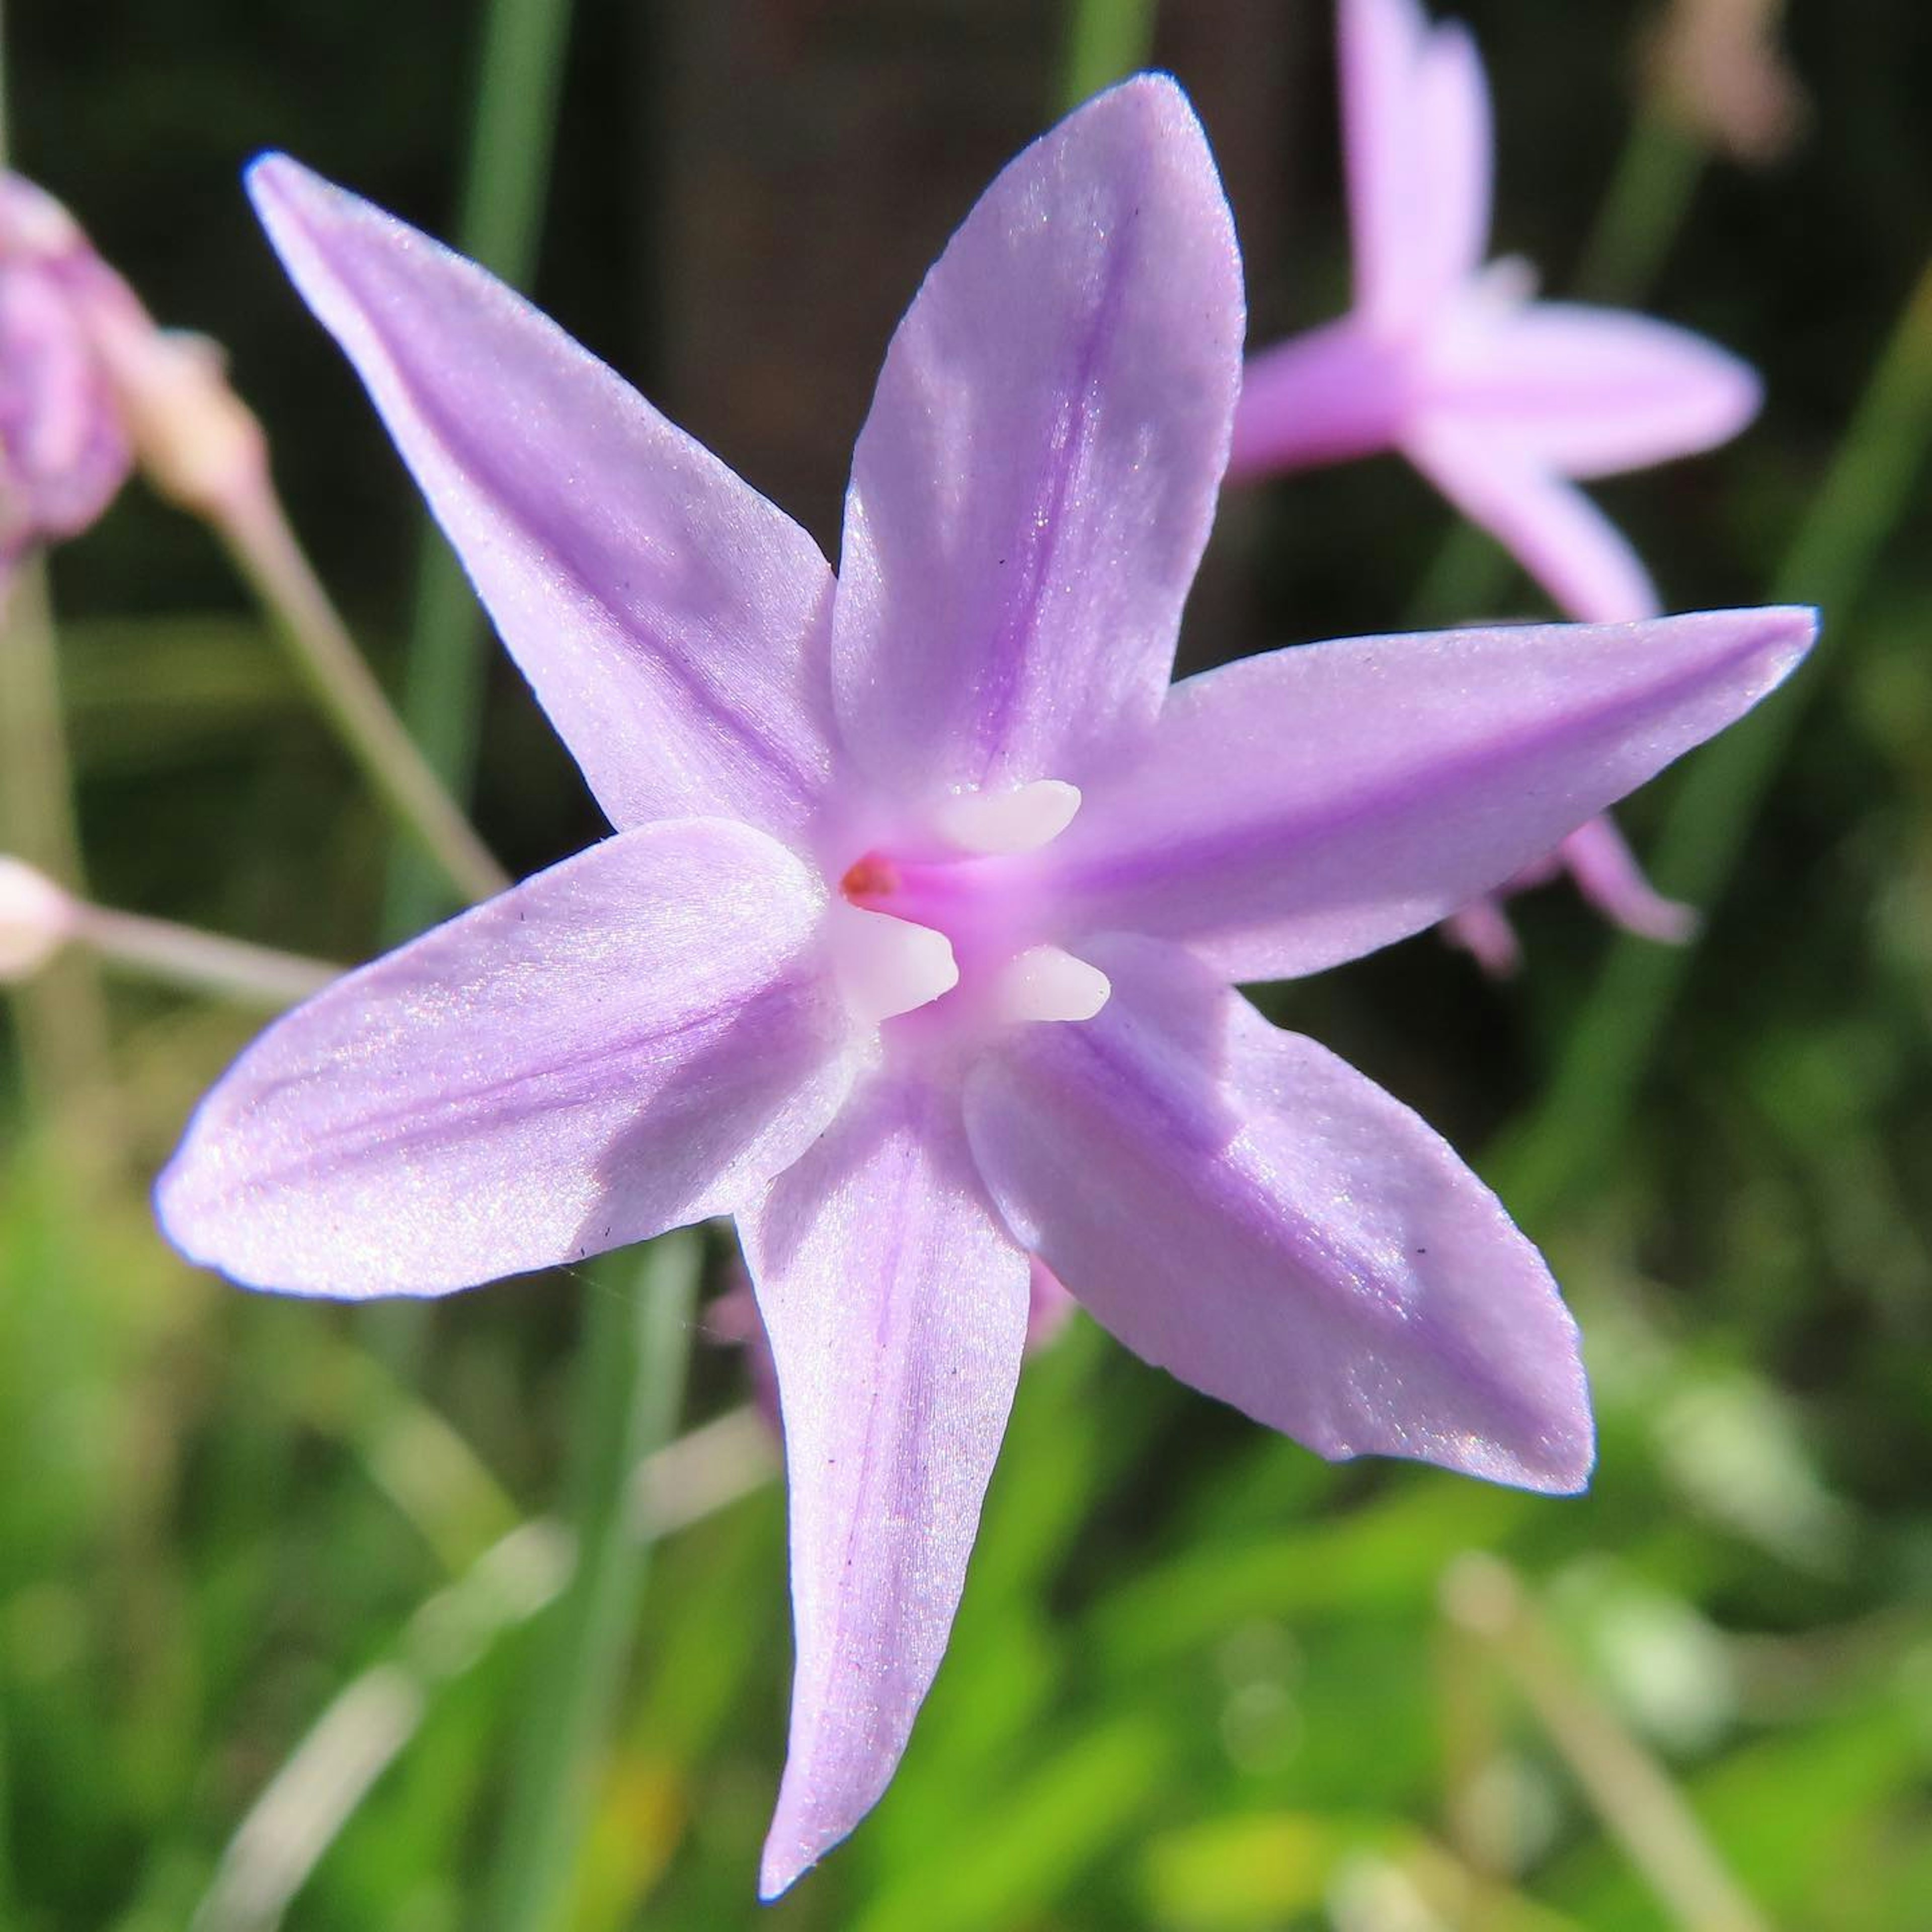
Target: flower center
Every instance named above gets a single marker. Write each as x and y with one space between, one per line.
948 932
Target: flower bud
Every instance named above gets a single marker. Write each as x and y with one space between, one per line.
65 449
37 919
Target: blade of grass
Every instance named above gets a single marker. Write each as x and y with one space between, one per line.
635 1348
1634 1795
370 1721
1106 41
61 1012
253 527
1566 1135
1644 211
500 224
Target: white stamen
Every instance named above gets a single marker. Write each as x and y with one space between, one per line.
1044 983
887 966
1022 820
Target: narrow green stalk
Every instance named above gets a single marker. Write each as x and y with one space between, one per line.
1644 211
1637 1800
636 1346
1106 41
9 1901
1860 502
500 224
62 1013
252 526
302 1810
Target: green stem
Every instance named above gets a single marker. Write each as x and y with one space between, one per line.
1644 211
1566 1137
255 530
500 224
1106 41
61 1012
1635 1797
635 1348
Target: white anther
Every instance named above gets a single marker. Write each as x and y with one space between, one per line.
1021 819
887 966
1044 983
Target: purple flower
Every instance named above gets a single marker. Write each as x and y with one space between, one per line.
1500 401
65 448
913 948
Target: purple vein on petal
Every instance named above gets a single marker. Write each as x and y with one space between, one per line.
1279 873
1013 668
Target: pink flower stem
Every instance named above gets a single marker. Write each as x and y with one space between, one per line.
204 962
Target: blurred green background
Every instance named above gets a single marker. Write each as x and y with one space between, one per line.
1201 1680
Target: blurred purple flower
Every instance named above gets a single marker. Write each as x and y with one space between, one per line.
90 386
65 448
914 949
1501 401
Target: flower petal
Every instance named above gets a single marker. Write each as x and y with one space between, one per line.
1482 929
1340 391
1416 128
1033 486
1553 529
1590 391
1242 1208
1598 857
1379 45
672 622
634 1039
897 1309
1308 806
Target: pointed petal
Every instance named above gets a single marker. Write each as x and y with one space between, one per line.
1552 529
1338 392
672 622
897 1308
1482 929
1034 484
1308 806
1458 145
1242 1208
634 1039
1590 391
1416 127
1597 856
1379 45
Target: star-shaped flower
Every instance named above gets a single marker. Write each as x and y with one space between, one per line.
913 949
1501 401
